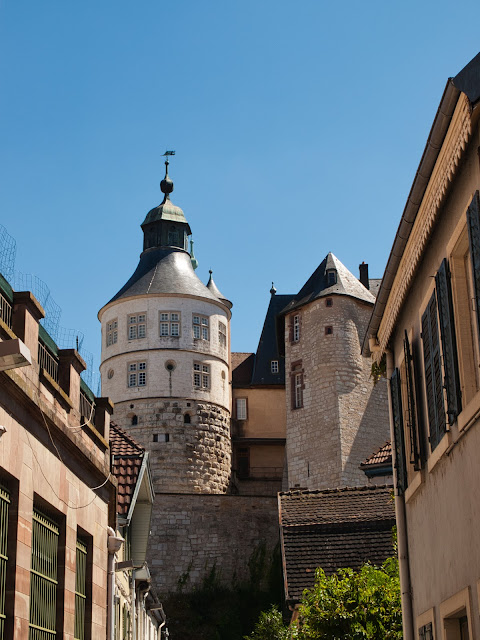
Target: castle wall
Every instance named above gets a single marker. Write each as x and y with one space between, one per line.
185 457
343 418
195 534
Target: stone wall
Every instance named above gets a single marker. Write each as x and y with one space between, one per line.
193 535
185 457
344 417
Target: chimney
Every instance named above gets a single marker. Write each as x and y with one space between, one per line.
364 275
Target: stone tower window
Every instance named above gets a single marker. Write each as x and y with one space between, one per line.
328 331
112 332
187 419
134 421
329 302
222 335
170 324
137 374
296 328
200 327
201 375
297 386
137 326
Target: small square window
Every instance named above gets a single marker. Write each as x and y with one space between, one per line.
329 302
274 366
328 331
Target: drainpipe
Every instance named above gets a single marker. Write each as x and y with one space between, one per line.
134 605
114 544
402 537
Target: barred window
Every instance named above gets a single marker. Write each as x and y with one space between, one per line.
201 375
137 374
170 324
112 332
137 326
80 589
200 327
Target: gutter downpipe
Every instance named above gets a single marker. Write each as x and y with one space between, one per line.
402 537
134 607
114 544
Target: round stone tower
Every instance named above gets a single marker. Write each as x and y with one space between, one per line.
165 359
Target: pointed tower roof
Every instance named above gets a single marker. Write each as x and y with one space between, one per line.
212 287
330 278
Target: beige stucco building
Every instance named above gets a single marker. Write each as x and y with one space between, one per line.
426 324
55 483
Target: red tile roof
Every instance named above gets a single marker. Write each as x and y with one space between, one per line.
381 456
127 458
333 529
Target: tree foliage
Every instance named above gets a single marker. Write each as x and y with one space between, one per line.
348 605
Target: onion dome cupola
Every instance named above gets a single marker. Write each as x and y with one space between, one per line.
166 225
212 287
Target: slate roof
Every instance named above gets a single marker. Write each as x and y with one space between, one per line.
468 80
332 529
267 349
381 456
127 459
165 271
212 287
242 368
317 285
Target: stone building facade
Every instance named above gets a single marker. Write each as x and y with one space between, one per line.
55 483
336 416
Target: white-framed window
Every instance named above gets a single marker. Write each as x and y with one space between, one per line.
274 366
201 375
112 332
241 408
137 326
296 328
298 390
222 335
200 327
137 374
170 324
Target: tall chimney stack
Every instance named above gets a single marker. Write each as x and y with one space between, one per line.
364 275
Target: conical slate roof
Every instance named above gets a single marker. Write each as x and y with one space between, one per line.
317 285
164 271
212 287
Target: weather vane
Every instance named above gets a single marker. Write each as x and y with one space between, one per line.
169 153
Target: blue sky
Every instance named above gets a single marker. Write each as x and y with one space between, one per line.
298 129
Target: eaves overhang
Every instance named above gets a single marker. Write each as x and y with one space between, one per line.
428 162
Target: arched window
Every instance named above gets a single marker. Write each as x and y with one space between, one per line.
134 421
187 419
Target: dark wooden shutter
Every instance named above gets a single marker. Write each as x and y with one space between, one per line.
449 343
473 220
412 416
400 460
433 373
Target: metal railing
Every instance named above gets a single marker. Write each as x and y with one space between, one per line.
43 581
4 505
5 311
87 408
47 361
80 590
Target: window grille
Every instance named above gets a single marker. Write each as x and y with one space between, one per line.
80 590
43 581
4 506
47 361
5 311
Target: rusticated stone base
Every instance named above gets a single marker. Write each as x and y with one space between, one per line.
189 442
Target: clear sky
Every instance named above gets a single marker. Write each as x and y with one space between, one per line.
298 128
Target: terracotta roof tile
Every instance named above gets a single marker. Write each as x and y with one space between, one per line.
127 459
333 529
381 456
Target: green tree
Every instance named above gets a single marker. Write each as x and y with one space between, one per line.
348 605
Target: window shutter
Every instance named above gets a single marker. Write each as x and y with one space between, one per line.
449 343
433 373
412 417
400 463
473 220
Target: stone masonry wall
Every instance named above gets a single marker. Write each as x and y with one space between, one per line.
184 457
344 418
191 535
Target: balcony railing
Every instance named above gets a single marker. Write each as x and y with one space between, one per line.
47 361
87 408
5 311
